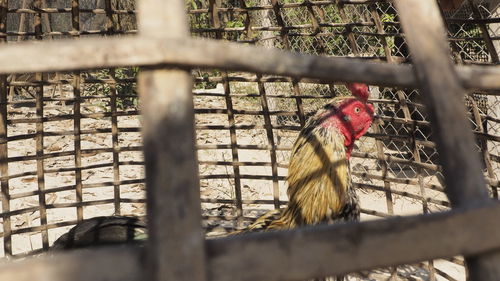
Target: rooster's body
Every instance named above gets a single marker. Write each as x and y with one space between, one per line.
319 186
319 183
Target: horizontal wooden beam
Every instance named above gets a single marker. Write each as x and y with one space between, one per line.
479 77
117 263
88 53
294 255
332 250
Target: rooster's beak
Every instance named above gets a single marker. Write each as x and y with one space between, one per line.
377 119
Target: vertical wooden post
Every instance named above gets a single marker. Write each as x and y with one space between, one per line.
175 248
465 184
39 138
270 140
234 148
110 27
4 165
278 12
213 15
116 145
76 83
75 24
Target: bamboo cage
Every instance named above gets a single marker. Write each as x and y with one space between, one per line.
76 144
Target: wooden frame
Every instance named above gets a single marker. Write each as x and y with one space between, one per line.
146 51
281 255
178 252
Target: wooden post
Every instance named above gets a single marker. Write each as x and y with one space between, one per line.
4 165
465 184
270 140
213 15
175 248
77 87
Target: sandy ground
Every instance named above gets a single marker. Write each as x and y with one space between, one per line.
210 188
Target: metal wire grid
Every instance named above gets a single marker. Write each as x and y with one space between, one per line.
57 18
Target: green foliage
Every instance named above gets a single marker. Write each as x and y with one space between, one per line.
388 17
129 89
126 92
235 23
205 75
469 49
200 20
192 4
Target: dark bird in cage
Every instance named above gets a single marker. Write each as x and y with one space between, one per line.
99 231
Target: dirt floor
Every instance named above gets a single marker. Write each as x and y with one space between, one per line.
222 188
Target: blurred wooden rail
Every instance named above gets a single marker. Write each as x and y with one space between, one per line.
292 255
176 249
66 55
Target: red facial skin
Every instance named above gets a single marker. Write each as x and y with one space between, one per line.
352 118
359 90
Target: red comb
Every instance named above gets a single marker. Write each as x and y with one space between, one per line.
359 90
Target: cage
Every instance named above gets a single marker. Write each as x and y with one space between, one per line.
71 141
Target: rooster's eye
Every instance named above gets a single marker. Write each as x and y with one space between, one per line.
357 109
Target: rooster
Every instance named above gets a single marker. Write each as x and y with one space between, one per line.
319 184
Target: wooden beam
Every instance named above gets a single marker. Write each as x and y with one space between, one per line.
175 248
450 5
336 250
440 85
117 263
293 255
90 53
479 77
